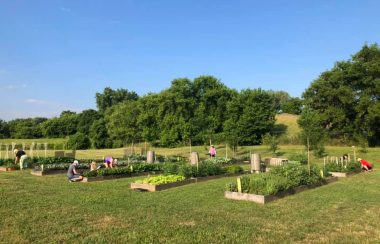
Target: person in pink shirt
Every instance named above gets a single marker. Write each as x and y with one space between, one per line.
366 166
212 151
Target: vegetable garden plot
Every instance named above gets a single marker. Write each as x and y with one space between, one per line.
159 186
263 199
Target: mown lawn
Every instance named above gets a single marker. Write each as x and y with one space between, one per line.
50 209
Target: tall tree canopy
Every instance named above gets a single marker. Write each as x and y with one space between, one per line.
111 97
251 114
347 97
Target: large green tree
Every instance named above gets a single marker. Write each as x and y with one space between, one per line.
4 129
26 128
122 123
251 114
111 97
347 97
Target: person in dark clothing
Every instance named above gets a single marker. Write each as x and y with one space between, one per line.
72 174
20 157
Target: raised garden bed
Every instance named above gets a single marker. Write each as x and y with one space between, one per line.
47 172
5 169
263 199
112 177
152 188
343 174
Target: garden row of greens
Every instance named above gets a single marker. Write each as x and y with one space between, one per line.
64 162
287 177
183 169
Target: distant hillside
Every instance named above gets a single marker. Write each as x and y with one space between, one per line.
287 128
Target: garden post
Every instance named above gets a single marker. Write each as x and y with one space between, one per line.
255 163
194 158
150 157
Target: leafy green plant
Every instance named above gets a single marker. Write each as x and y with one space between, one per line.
161 179
300 157
219 160
6 161
53 160
234 169
12 166
342 167
280 178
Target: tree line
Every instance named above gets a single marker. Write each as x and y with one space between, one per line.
189 111
342 103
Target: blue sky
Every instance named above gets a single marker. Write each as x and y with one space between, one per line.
55 55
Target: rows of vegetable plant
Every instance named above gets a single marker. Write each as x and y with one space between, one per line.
344 167
182 171
280 178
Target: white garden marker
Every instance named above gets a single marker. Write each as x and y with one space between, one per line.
45 144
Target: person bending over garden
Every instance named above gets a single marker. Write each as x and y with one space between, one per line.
93 166
20 158
366 166
72 173
108 162
212 151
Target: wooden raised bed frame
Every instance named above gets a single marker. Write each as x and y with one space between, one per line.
6 169
343 174
152 188
47 172
111 177
263 199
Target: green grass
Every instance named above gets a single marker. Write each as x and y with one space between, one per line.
50 209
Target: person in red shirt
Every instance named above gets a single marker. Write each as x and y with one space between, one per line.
366 166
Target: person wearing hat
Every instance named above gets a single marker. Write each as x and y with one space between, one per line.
72 173
366 166
20 157
212 151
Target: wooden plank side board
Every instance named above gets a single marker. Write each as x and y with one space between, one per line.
263 199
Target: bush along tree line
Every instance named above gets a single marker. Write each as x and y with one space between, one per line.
189 110
341 104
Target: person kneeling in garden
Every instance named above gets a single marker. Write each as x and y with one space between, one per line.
72 173
20 158
366 166
108 162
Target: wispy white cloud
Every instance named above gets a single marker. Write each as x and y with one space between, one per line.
15 87
66 10
36 101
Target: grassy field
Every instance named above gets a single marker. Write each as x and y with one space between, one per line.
50 209
29 141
